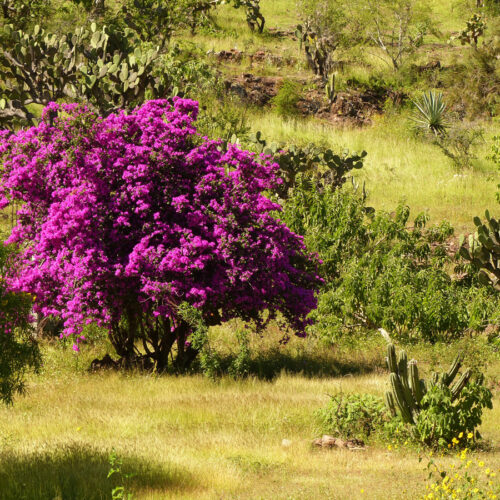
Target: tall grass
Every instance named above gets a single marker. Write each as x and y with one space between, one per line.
400 166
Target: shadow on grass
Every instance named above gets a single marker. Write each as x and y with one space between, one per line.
80 473
271 363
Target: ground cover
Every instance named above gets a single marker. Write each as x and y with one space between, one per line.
190 437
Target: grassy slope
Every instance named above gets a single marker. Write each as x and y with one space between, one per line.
188 437
399 166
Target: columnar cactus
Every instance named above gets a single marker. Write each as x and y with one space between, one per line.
408 389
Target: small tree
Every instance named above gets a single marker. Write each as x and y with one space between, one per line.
397 27
125 218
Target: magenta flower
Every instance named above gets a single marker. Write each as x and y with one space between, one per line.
125 217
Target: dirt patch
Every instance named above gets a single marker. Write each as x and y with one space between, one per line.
355 107
258 57
258 90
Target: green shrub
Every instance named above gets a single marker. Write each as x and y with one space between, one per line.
285 102
381 274
18 350
353 415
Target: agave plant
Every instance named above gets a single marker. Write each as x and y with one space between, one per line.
430 113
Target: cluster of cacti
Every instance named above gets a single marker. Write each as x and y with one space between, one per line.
319 165
318 48
100 67
484 250
408 389
255 19
330 88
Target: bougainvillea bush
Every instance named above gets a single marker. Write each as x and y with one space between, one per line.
124 218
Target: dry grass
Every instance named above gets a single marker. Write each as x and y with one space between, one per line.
189 437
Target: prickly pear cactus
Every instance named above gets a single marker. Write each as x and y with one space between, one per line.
103 68
484 250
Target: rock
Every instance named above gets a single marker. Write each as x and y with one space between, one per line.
331 442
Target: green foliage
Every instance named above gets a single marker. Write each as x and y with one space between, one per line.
240 366
475 28
330 88
18 350
155 21
23 13
431 113
379 273
462 479
95 6
484 250
255 19
458 142
115 471
353 415
198 342
440 409
318 47
285 102
226 120
182 71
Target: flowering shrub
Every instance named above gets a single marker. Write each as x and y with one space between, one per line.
126 217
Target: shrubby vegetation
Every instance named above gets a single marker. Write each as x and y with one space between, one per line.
133 218
378 273
18 350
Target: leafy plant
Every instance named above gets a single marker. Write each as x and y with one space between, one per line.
254 16
152 216
285 102
431 113
474 29
467 477
381 274
18 350
457 144
311 166
353 415
115 471
318 47
101 67
439 409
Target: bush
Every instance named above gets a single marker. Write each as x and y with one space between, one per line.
378 273
353 415
434 412
18 350
136 215
285 102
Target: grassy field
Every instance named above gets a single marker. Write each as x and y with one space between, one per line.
189 437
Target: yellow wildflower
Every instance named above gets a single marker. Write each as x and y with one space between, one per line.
461 435
480 463
470 435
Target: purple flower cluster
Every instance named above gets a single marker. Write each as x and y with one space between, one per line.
137 209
